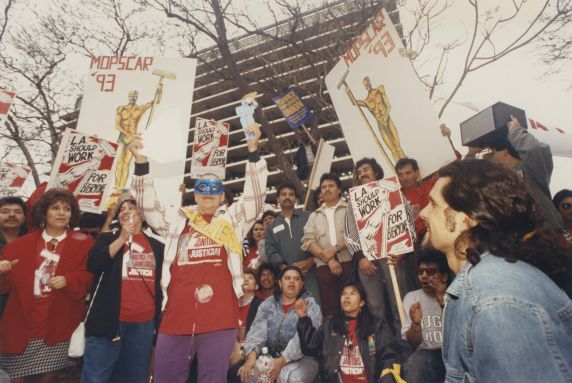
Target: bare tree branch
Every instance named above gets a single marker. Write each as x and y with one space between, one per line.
5 22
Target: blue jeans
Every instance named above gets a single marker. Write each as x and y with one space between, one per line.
125 360
425 366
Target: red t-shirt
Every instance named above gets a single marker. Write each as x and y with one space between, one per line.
418 198
287 308
201 297
138 281
46 265
351 364
252 254
262 294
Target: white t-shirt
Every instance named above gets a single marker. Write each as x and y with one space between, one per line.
330 217
431 322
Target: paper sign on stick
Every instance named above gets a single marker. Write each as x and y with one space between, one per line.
84 165
245 112
295 112
130 95
209 148
322 164
12 178
383 221
383 109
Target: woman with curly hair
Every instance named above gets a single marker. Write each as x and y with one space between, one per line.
45 273
253 246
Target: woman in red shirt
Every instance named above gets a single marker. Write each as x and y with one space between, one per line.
355 347
252 254
45 273
125 312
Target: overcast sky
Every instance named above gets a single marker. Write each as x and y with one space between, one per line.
516 79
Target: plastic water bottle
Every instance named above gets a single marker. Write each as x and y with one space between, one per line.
263 365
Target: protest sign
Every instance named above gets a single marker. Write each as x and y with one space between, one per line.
322 164
245 112
12 179
152 96
382 106
210 146
6 99
384 223
293 109
84 165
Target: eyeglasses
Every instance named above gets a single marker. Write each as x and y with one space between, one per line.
429 271
566 206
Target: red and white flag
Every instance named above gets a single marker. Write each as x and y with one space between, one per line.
12 179
560 141
6 99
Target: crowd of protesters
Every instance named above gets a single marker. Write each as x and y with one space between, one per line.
198 296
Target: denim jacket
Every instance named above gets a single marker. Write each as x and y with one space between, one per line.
277 331
506 322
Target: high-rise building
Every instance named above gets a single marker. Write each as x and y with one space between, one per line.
269 60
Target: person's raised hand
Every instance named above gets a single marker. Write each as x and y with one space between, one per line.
415 313
135 147
513 123
254 130
301 307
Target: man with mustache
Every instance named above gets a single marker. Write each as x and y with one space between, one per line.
422 324
12 217
508 310
374 275
324 239
284 239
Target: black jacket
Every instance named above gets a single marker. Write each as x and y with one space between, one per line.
303 168
103 319
326 343
252 310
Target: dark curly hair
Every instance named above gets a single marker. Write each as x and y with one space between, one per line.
377 169
509 221
430 255
250 235
40 208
